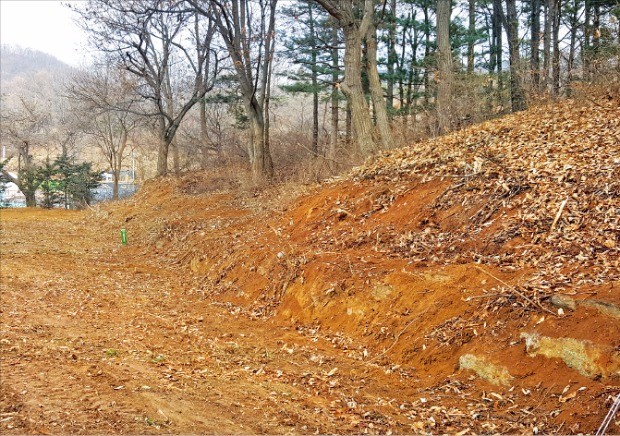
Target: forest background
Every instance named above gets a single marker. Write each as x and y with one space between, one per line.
261 91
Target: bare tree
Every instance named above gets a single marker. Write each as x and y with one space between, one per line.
150 38
108 99
25 126
248 30
211 130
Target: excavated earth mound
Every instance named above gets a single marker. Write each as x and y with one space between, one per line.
484 264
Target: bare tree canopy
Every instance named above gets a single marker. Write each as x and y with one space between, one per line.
166 49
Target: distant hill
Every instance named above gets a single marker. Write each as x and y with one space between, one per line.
18 62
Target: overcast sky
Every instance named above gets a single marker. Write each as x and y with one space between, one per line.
43 25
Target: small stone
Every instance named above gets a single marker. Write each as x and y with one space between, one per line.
495 374
562 302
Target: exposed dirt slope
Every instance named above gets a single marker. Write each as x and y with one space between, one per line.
467 283
95 341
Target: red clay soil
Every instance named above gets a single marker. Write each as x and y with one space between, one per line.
348 308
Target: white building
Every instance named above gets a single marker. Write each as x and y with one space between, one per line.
11 195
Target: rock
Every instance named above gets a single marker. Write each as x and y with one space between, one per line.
381 291
563 302
199 264
495 374
587 358
603 307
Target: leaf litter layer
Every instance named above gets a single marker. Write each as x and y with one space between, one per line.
547 182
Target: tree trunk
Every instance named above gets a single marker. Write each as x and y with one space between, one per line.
496 50
333 143
259 167
169 103
392 58
162 152
116 161
31 200
587 33
259 155
499 51
427 51
555 85
413 78
413 85
315 111
574 24
444 64
535 44
596 27
26 180
348 124
547 44
492 41
176 160
354 17
268 162
596 36
353 89
511 22
115 176
401 68
315 90
204 135
471 43
376 90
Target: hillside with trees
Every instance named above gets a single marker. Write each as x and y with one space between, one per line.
41 149
18 62
210 85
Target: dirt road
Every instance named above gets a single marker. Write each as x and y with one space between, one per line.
93 341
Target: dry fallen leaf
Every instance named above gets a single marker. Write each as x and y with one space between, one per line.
566 389
564 399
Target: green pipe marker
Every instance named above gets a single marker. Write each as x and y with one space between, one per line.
124 236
